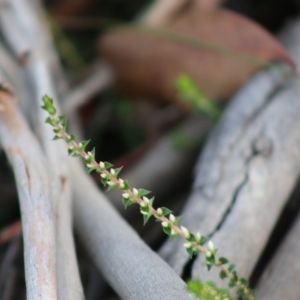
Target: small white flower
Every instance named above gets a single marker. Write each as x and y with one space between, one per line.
86 156
90 154
121 183
112 172
187 245
103 175
101 165
208 254
89 165
80 145
111 183
146 200
159 211
210 246
172 218
71 148
165 224
173 232
185 232
125 196
198 237
135 192
143 204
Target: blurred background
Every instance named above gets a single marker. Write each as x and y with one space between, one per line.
146 98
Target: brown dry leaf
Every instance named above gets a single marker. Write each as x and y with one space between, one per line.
218 48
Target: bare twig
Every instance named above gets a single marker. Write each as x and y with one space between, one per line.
38 65
38 221
100 78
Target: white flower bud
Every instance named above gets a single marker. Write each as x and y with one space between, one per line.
173 232
143 204
146 200
210 246
121 183
103 175
111 183
89 165
135 192
172 218
208 254
80 145
185 232
144 212
125 196
112 172
86 156
159 211
71 148
101 165
165 224
187 245
198 237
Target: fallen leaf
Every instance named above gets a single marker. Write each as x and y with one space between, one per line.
218 48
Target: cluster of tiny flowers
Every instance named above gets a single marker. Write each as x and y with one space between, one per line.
207 291
109 178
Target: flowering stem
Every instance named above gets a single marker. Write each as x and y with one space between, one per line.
109 177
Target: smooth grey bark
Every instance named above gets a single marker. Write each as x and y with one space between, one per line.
246 173
23 29
281 278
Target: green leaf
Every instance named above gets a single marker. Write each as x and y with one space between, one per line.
117 170
189 92
126 185
222 261
73 152
165 211
194 286
84 144
93 152
63 121
143 192
210 261
127 202
244 282
71 138
48 105
167 230
146 218
231 284
50 121
222 275
190 251
110 187
107 165
231 267
57 138
104 181
90 169
204 239
177 220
